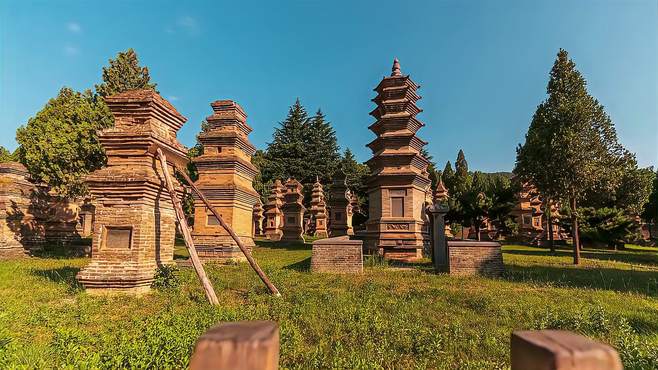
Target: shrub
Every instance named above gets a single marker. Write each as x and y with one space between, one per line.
166 278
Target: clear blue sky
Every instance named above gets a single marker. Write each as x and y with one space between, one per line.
483 65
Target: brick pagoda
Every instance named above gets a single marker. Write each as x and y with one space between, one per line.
273 215
293 212
18 228
318 211
399 182
339 204
135 223
225 177
258 218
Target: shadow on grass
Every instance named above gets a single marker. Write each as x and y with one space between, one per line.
630 281
626 256
290 246
301 266
62 275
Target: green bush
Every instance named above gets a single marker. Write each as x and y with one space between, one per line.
166 278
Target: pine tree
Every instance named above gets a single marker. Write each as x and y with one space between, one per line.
650 212
59 146
571 147
286 154
431 168
124 73
462 179
322 156
447 176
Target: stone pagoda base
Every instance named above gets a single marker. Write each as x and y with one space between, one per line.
221 249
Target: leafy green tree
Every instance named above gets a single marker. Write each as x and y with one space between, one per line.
6 155
610 226
571 146
447 175
650 212
431 168
476 202
59 146
356 175
124 73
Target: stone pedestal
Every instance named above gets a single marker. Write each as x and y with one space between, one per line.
246 345
337 255
135 222
467 257
293 212
397 188
560 350
225 178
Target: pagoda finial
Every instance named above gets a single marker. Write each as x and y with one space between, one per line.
441 193
396 68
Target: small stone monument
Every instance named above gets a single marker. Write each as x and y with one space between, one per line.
225 177
258 218
318 211
337 255
135 222
273 214
293 212
339 205
438 211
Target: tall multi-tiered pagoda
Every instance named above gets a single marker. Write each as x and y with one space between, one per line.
339 206
225 177
293 212
399 182
318 211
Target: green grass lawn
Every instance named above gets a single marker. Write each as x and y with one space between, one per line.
388 317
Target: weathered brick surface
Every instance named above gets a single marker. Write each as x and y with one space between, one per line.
273 214
225 177
293 212
339 207
318 211
467 257
337 255
134 226
399 173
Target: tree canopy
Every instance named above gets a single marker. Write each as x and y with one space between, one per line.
571 146
59 145
124 73
6 155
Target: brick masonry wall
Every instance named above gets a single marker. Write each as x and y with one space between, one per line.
475 258
337 255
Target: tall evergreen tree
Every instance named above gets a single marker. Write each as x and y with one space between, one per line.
321 144
571 146
462 178
447 176
650 212
124 73
431 168
286 154
59 146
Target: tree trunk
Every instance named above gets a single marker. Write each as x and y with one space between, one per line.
551 243
574 231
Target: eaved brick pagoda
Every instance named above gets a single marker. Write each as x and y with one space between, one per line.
339 206
399 182
135 222
293 212
226 176
273 214
318 211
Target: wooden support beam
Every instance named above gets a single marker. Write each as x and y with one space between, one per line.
228 229
185 230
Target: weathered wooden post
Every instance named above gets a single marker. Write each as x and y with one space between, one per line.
438 211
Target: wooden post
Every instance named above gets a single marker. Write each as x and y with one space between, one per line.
185 230
228 229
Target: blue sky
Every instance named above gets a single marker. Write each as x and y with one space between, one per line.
482 65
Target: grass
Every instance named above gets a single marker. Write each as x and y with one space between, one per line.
386 318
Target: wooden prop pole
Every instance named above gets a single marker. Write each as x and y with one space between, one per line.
185 230
228 229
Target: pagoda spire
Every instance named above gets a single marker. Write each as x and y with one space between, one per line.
396 68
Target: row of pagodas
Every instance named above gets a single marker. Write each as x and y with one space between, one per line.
283 216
